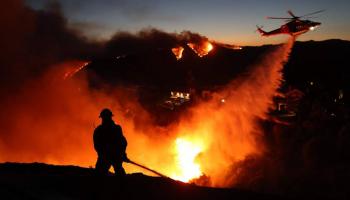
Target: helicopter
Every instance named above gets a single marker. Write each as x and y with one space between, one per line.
295 25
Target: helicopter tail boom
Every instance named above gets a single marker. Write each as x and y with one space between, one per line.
261 31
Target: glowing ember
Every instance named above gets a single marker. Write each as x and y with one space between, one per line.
71 72
201 49
177 51
186 155
229 46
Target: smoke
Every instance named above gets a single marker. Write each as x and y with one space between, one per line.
33 40
51 119
32 116
149 39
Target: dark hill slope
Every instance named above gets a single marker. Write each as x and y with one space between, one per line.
41 181
323 62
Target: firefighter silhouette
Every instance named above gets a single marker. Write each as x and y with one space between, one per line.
110 145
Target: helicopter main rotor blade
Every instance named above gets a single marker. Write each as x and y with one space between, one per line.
291 14
313 13
279 18
311 17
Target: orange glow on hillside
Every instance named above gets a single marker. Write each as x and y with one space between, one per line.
178 51
201 49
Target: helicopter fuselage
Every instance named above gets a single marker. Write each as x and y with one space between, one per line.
295 25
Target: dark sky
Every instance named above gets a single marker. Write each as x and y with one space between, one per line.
230 21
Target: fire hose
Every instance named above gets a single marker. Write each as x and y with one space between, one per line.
146 168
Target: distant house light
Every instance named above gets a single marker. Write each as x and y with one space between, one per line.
341 94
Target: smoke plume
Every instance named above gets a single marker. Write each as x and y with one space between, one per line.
34 40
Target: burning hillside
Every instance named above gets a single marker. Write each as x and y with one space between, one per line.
55 123
200 144
201 49
220 136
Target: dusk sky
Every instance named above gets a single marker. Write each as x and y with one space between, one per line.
229 21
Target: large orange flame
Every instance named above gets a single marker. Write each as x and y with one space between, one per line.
186 153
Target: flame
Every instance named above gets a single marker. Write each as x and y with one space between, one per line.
229 46
177 51
74 69
186 153
201 49
209 47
